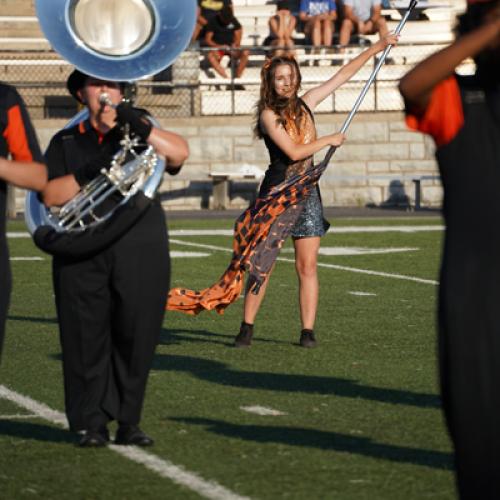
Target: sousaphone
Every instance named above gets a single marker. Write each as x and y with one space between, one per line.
116 40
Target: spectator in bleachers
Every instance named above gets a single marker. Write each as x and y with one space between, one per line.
224 33
281 29
207 10
363 17
318 17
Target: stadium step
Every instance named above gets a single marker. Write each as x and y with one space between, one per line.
17 7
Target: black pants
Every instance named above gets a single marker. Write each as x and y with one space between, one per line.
110 309
5 288
469 348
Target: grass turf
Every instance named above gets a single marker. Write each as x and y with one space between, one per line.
362 418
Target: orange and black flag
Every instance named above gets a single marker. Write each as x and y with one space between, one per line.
259 233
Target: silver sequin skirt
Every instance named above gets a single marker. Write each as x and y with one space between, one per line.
311 221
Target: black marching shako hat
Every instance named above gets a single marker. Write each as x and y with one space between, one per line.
75 82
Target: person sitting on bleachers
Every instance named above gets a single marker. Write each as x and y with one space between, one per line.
281 29
319 17
207 10
224 33
363 17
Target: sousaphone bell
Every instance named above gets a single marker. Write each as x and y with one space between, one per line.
116 40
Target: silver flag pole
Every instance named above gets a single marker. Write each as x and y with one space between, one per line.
375 71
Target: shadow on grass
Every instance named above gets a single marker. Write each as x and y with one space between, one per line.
220 373
171 336
329 441
35 432
32 320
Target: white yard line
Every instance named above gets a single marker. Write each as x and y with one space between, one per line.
338 230
17 417
349 251
187 255
322 264
372 273
262 410
335 230
164 468
18 234
27 258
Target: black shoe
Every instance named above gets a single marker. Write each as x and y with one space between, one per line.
94 438
132 435
307 338
244 338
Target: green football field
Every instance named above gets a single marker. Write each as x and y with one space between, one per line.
358 417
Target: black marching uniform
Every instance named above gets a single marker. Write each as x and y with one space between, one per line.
18 139
464 119
111 305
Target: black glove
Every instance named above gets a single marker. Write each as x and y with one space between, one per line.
92 169
140 125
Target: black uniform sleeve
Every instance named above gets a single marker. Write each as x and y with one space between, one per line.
55 158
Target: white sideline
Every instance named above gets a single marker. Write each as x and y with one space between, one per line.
322 264
335 230
164 468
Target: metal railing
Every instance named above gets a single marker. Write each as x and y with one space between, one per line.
191 87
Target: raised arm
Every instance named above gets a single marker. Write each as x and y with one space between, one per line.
318 94
417 85
294 151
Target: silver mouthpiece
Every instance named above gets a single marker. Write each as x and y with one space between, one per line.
104 99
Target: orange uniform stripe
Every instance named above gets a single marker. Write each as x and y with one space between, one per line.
15 135
444 116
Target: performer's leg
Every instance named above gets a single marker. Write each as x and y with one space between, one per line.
140 283
83 310
306 258
5 280
469 349
251 307
253 302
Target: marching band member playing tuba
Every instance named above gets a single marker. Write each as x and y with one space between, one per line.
110 304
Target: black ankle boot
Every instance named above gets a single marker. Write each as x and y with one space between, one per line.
244 338
307 338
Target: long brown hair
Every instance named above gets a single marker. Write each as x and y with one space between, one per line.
284 107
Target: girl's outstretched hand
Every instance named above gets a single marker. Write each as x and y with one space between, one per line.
336 139
387 40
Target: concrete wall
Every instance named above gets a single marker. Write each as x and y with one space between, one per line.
375 166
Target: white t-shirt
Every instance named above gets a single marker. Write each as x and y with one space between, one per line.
362 8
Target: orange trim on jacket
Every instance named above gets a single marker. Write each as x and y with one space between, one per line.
444 116
15 135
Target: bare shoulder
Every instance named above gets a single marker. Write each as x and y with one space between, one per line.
268 119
